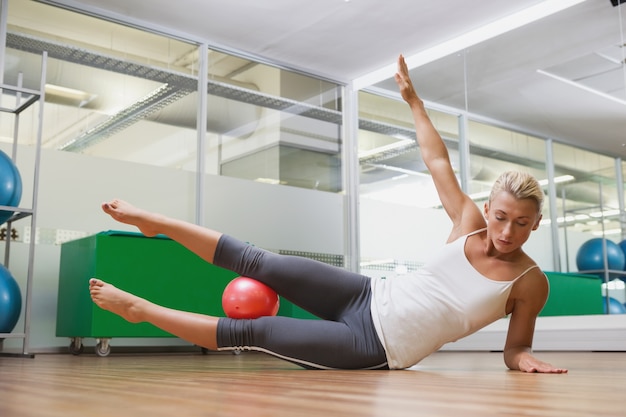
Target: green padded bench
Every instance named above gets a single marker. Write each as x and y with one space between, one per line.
573 294
157 269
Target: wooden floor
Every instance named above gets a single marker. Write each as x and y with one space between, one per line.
253 384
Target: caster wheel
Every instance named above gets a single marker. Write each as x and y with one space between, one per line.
103 348
76 346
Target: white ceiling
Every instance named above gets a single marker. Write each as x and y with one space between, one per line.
498 78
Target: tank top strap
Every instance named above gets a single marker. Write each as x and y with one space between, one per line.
475 232
524 273
520 275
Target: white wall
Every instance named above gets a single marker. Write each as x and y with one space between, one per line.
401 232
412 233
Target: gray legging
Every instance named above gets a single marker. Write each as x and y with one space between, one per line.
345 338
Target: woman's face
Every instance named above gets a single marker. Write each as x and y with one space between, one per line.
510 221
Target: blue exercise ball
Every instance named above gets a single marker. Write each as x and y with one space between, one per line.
10 301
10 186
590 255
622 246
615 307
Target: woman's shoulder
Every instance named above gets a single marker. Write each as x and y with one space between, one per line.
532 280
465 231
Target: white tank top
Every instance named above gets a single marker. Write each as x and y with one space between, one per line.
446 300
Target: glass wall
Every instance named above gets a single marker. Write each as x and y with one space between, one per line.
401 218
494 150
400 209
272 125
588 204
521 94
111 90
590 210
123 93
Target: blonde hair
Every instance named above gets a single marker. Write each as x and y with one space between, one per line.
519 184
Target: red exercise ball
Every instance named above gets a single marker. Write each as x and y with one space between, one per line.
246 298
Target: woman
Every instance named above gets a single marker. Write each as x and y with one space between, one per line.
479 276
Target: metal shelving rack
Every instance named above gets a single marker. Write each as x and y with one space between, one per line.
25 98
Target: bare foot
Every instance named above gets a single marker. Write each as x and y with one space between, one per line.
126 213
111 298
